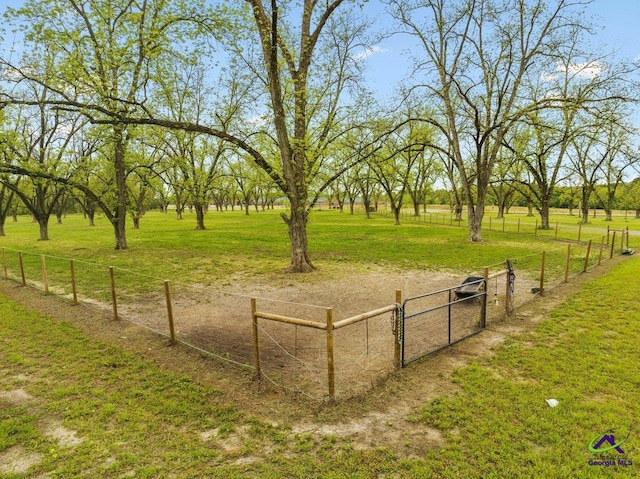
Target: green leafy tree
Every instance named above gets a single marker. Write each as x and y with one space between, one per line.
99 58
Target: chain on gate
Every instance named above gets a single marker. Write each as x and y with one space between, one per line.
396 329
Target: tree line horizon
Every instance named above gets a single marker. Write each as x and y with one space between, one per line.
118 103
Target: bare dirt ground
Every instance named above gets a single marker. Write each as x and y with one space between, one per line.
378 416
218 320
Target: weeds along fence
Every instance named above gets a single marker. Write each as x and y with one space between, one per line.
313 350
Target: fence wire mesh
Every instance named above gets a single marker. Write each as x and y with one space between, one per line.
294 357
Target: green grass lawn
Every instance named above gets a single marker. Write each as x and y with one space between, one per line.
257 245
134 419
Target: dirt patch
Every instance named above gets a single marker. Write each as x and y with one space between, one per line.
382 415
65 437
16 397
16 460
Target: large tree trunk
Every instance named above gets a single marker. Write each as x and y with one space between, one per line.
199 216
396 214
297 223
120 218
91 214
366 202
584 208
43 223
544 215
476 214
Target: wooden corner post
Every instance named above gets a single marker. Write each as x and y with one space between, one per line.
567 263
74 288
113 293
397 332
256 343
586 257
45 277
613 244
167 294
542 264
24 277
330 355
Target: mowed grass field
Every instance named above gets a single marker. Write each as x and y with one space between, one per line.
257 245
73 405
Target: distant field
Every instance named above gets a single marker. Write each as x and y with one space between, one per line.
258 244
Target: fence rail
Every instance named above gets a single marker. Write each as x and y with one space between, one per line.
297 344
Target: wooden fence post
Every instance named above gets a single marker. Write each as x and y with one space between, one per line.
167 294
542 264
586 257
330 356
489 223
518 225
24 278
579 232
567 263
627 237
113 293
556 230
45 278
4 264
601 249
535 232
74 289
256 344
613 243
397 330
503 220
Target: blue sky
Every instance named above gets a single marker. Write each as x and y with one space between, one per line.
619 22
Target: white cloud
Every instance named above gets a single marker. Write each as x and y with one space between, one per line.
367 52
589 69
586 70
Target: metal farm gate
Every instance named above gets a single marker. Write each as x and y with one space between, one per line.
432 321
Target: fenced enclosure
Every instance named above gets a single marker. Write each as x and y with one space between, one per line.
334 340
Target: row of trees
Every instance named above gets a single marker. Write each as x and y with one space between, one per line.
117 100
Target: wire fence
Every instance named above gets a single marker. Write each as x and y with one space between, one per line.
316 351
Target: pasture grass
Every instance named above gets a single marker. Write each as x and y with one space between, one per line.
137 420
255 247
